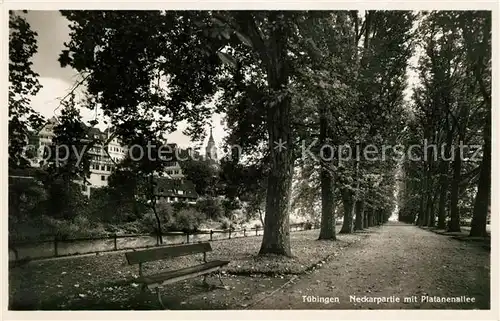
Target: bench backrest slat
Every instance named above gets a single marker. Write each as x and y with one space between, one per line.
149 255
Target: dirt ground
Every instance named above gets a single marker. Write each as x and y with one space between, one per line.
397 260
106 281
392 261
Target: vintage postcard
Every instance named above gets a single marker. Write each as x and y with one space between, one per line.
228 161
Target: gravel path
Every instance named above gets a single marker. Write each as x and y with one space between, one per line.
396 261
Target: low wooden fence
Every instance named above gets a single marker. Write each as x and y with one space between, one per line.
56 247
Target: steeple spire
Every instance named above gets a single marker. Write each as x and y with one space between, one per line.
211 150
211 138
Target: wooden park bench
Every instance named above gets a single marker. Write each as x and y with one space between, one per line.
156 281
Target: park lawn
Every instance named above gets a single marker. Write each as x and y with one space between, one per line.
106 281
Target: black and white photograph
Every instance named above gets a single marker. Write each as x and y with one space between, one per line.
217 159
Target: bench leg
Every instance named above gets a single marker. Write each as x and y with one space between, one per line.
205 283
158 294
220 279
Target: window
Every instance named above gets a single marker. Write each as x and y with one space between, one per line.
103 168
103 178
108 168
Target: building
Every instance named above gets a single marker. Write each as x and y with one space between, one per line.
104 153
175 190
107 152
211 149
38 143
173 168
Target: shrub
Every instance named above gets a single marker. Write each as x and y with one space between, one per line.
65 200
179 206
26 198
308 225
187 220
165 212
211 208
226 224
148 222
229 205
133 228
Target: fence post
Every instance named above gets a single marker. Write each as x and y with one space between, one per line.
187 237
229 233
256 231
55 247
211 233
244 232
114 239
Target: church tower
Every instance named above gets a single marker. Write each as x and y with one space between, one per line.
211 150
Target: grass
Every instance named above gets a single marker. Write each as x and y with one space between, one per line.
107 281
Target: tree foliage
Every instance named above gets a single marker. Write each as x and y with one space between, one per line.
23 84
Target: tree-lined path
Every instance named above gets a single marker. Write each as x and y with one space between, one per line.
341 116
396 260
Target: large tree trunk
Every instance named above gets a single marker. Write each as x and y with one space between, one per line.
327 230
347 226
371 214
443 195
443 181
276 238
482 201
260 217
366 218
380 216
454 214
359 207
420 217
431 215
425 197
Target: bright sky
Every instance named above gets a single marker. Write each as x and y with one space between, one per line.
53 31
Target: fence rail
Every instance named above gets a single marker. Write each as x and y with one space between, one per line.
61 247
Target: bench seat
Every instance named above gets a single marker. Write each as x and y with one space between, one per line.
155 280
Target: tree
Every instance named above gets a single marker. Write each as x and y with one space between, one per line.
451 109
477 25
377 116
202 174
144 164
23 84
228 46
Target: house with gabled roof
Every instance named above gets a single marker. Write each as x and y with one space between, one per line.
175 190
